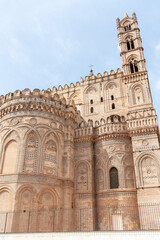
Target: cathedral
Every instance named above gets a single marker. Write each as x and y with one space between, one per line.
83 157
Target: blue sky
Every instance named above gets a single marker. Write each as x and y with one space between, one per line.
46 43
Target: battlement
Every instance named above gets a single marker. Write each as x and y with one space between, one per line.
112 124
88 80
146 118
42 101
36 93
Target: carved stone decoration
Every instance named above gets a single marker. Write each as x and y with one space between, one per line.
112 148
53 125
33 121
82 177
31 148
14 121
50 157
145 142
61 127
149 172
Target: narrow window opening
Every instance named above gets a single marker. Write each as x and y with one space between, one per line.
113 106
101 99
114 182
92 110
138 98
129 27
131 67
91 101
132 44
136 68
112 97
128 45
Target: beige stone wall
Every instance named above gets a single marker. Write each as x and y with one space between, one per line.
83 157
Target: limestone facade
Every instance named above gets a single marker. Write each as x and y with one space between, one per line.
85 156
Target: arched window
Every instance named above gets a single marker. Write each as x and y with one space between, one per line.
92 110
101 99
113 174
136 67
112 97
133 66
126 28
113 106
132 44
91 101
128 45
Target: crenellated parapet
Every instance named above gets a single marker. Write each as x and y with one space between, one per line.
37 101
111 125
142 121
36 94
88 80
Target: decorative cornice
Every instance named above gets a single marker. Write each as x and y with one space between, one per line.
26 105
144 130
135 77
112 135
89 138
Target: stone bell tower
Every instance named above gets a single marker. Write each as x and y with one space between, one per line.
141 118
135 75
130 44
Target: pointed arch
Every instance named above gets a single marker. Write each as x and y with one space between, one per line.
137 94
114 162
129 40
51 153
24 202
6 197
110 93
47 199
76 97
10 152
133 62
82 176
47 204
31 152
24 197
114 179
10 157
89 97
149 173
